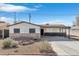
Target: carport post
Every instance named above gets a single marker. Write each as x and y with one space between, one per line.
65 32
62 30
3 34
68 32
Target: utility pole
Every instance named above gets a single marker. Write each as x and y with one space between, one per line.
14 17
29 17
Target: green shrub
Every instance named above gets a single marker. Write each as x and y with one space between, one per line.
7 43
45 47
14 44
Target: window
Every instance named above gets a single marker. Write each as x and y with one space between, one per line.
16 30
31 30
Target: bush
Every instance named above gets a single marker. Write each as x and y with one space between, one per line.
45 47
9 43
36 39
14 44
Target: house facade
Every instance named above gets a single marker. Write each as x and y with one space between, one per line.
75 28
31 30
24 29
75 31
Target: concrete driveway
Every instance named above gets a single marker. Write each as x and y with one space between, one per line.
64 46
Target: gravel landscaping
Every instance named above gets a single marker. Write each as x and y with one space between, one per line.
30 49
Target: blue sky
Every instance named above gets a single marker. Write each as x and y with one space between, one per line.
41 13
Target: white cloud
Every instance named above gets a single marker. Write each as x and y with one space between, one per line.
6 19
38 6
53 22
56 21
14 8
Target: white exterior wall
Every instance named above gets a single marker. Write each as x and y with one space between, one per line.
55 30
24 28
51 30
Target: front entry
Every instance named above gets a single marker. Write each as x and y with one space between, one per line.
6 33
42 32
0 34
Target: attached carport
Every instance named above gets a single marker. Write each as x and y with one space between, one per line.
55 30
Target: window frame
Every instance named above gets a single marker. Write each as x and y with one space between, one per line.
32 30
15 30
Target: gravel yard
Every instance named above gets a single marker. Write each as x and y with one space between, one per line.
31 49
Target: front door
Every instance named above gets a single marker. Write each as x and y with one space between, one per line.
6 33
0 33
42 32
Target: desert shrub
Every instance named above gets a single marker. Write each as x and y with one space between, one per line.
15 51
14 44
36 39
45 47
9 43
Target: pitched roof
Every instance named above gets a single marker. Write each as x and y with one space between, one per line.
55 26
2 21
24 22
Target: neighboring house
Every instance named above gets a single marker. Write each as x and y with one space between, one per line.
75 28
75 31
76 22
55 30
4 30
24 29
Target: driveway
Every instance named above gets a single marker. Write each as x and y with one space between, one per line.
64 46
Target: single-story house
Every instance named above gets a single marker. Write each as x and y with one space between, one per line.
24 29
55 30
32 30
75 31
